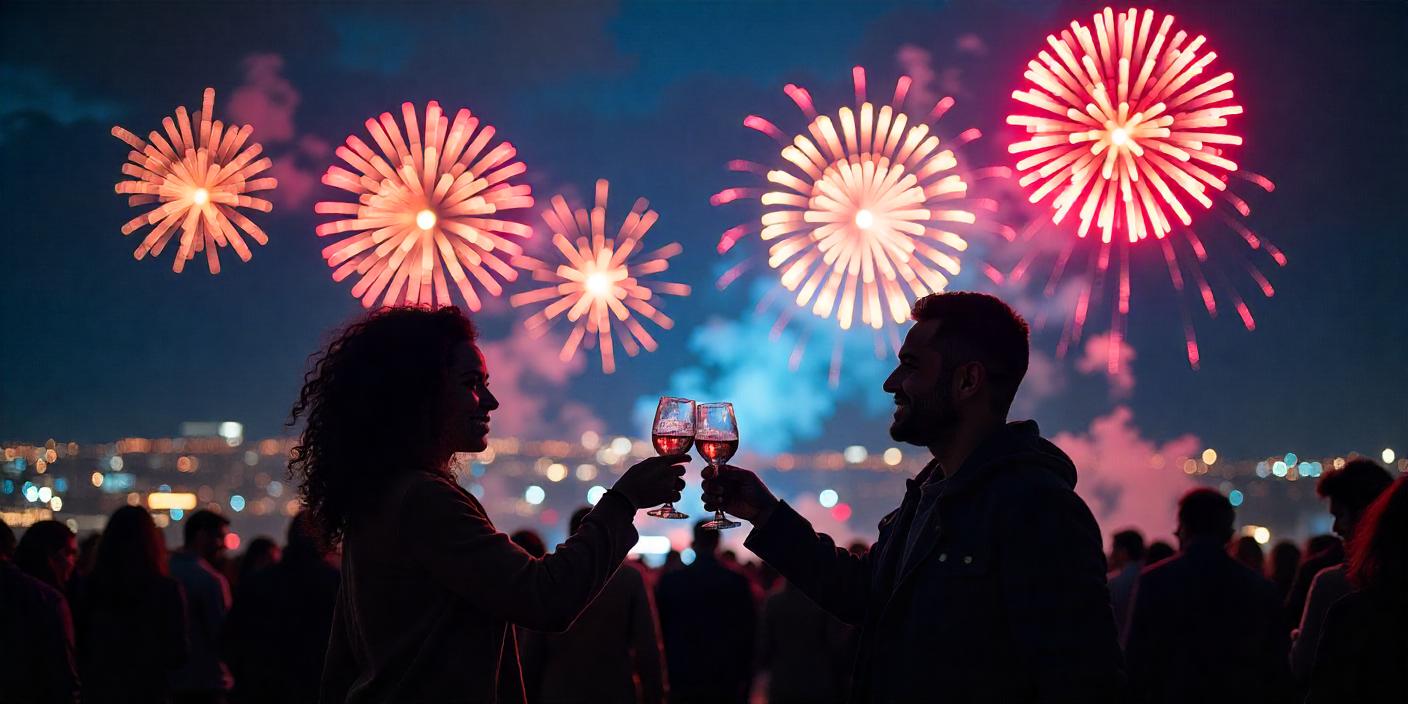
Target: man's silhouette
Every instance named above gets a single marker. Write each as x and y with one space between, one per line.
987 584
1205 628
708 623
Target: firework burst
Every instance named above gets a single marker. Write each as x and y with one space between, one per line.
865 210
1124 129
426 205
599 284
199 174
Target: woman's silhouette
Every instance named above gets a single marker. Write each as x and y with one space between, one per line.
429 587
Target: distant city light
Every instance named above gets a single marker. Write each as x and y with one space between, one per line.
1209 456
56 503
534 494
164 500
651 545
177 514
236 503
855 454
556 472
841 512
594 494
1279 469
1338 463
1261 534
97 479
828 498
1234 497
590 440
1291 459
275 489
115 463
893 456
232 541
586 472
1388 455
45 493
687 556
621 446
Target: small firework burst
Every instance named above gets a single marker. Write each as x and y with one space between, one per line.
427 204
600 279
200 174
867 209
1124 130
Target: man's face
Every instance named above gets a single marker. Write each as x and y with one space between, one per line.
65 560
924 405
214 545
469 400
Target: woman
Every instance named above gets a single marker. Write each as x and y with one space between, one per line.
430 588
1363 651
48 552
131 617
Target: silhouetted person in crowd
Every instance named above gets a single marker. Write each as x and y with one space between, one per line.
988 582
277 631
429 587
610 655
1285 559
48 552
261 554
673 562
1158 552
1247 551
204 679
1205 628
87 555
709 623
530 541
131 617
1351 490
1362 655
807 652
1126 561
39 664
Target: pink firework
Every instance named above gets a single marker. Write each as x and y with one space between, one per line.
864 211
1125 129
427 204
199 175
599 284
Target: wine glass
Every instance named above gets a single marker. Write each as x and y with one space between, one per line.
716 434
672 434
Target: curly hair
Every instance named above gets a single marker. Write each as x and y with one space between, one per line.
373 405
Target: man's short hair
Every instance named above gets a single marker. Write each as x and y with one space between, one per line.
7 542
204 521
1131 542
977 327
1206 513
1355 485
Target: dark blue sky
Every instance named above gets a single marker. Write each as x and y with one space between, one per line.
651 96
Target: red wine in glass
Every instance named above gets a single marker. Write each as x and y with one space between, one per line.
672 433
716 436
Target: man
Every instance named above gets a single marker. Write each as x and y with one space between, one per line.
204 679
1204 627
610 655
35 624
278 628
987 584
1126 561
707 620
1350 490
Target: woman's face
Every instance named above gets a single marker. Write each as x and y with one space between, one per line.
469 401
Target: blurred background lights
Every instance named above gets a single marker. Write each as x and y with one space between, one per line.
1279 469
1209 456
1388 455
594 494
828 498
1235 497
236 503
893 456
556 472
534 494
1291 459
1261 534
855 454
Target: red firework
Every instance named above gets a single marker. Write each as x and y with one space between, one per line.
1126 130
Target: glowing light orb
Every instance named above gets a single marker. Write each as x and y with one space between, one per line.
1127 126
427 204
861 214
599 283
200 174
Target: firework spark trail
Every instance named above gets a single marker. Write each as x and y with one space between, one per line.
861 215
200 174
600 279
1126 131
426 205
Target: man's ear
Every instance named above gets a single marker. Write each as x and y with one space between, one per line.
968 380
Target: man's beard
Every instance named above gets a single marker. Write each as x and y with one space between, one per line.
926 422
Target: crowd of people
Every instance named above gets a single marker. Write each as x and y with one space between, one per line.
989 583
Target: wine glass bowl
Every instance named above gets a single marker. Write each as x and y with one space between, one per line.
716 437
672 433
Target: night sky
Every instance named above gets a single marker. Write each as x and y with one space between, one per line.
652 96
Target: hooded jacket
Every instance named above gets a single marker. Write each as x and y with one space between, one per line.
1003 598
